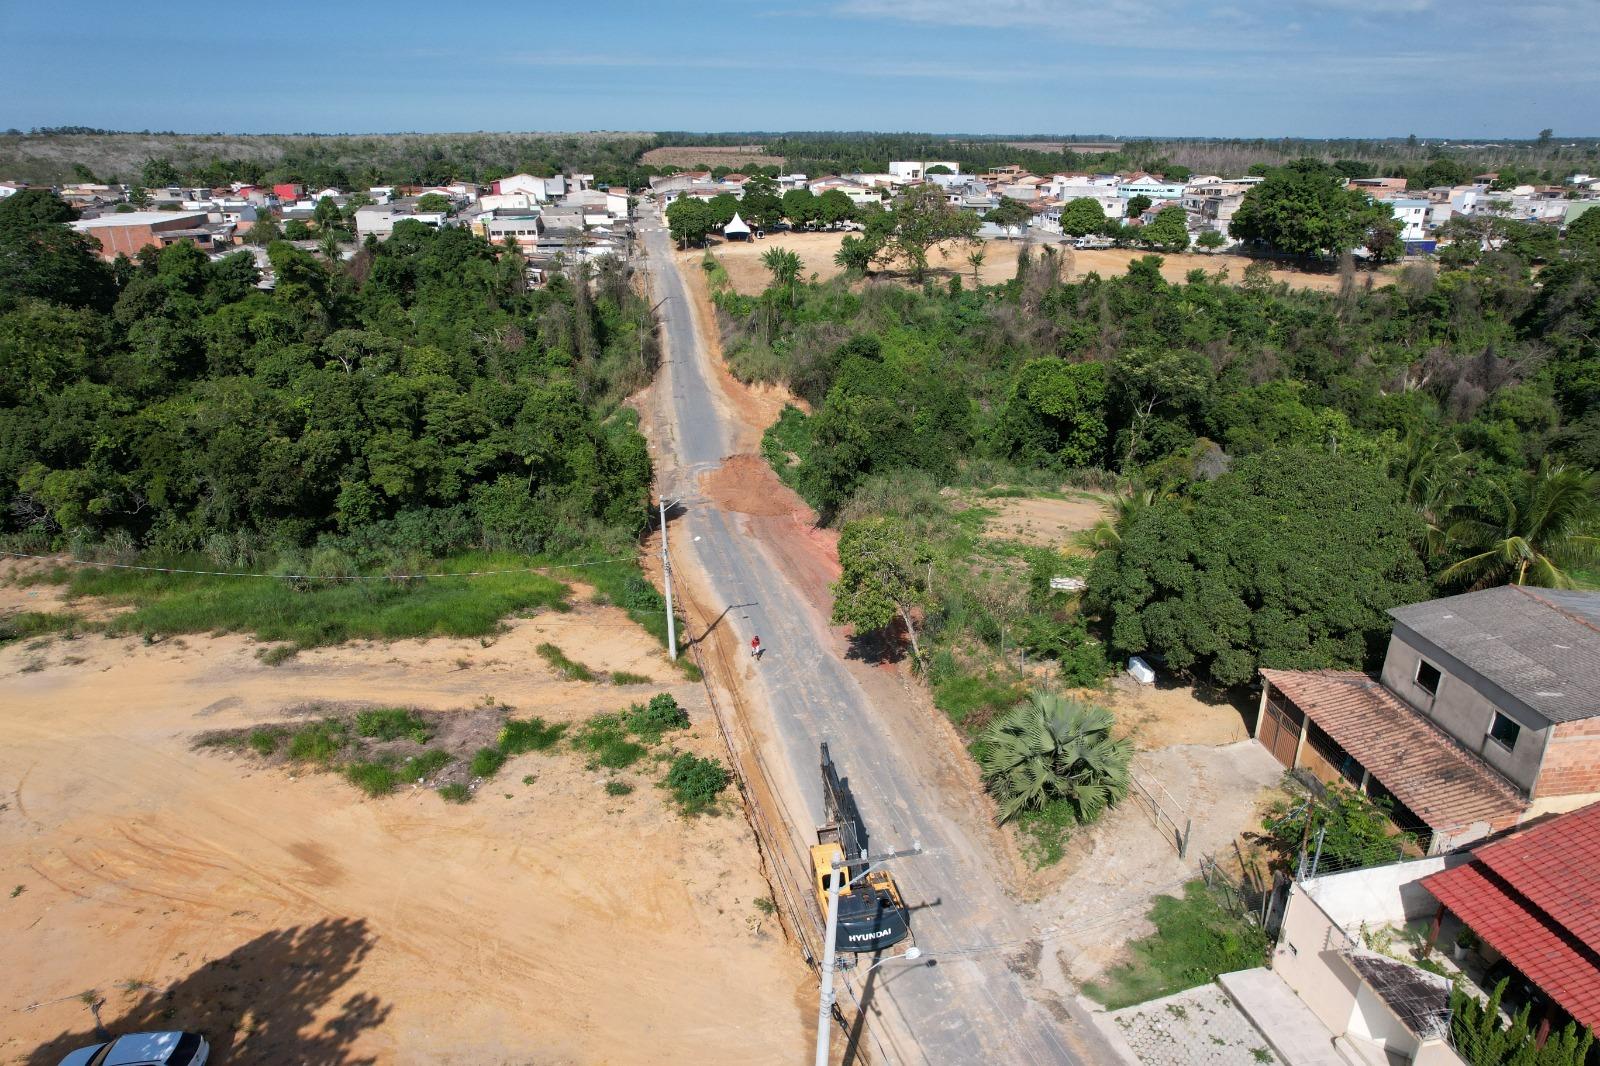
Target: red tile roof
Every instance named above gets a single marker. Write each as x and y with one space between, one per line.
1438 780
1506 891
1556 864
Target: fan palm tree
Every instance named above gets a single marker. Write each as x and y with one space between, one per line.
1107 533
1054 748
1537 527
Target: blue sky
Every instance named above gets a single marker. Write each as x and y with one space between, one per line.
1458 68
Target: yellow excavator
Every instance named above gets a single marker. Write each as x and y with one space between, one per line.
871 914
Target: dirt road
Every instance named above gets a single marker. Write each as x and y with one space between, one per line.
980 1003
294 921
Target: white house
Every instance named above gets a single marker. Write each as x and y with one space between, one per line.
379 220
1412 214
617 203
1151 186
913 170
11 188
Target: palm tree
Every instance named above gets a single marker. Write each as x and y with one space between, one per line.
328 243
1054 748
976 257
1107 533
784 266
1431 472
1536 528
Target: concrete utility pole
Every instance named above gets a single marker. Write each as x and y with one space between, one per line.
666 577
841 871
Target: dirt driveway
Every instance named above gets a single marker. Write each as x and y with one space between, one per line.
295 921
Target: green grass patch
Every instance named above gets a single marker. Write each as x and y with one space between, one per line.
618 788
623 677
690 668
319 742
455 792
521 735
970 700
278 654
786 446
28 624
567 668
321 612
604 738
695 783
425 765
1045 833
392 723
649 721
373 778
486 762
1197 937
265 742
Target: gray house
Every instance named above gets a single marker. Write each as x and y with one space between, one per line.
1486 713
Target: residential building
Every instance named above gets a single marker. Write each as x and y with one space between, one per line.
1374 1008
288 190
11 188
1487 712
1533 901
379 220
131 232
909 171
1412 214
617 203
526 227
1378 188
1151 186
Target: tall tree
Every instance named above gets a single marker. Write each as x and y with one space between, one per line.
784 266
1305 209
688 221
883 578
922 221
1169 232
1535 529
1083 216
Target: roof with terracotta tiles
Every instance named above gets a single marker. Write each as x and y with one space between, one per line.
1504 895
1438 780
1542 646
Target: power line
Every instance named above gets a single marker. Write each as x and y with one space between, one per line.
57 560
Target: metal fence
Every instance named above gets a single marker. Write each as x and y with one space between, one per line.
1167 813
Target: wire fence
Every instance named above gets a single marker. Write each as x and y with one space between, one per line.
336 578
1167 813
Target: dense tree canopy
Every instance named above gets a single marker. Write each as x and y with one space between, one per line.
1305 209
420 399
1287 560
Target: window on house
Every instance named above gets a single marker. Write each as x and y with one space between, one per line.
1504 731
1428 677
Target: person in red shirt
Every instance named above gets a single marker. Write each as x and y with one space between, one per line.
755 648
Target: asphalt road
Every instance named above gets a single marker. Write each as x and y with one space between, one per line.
972 1007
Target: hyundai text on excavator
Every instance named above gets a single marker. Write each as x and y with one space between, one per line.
871 914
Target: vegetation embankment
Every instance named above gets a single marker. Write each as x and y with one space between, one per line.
381 750
414 410
1289 464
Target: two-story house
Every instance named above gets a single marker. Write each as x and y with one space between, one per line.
1486 713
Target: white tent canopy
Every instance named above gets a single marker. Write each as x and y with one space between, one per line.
736 227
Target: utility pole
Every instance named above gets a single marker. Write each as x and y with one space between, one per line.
666 577
841 871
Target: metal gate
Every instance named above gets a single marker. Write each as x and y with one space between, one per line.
1278 731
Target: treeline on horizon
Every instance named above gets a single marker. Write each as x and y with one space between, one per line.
360 160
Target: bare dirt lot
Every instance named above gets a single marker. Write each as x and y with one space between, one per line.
724 155
816 251
1045 521
295 921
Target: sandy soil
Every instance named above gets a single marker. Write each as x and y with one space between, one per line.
1167 715
816 250
1095 899
1040 520
297 922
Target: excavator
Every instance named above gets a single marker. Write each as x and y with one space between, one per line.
871 914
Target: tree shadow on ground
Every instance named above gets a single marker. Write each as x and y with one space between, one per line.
877 646
262 1002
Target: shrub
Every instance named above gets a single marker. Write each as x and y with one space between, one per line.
1054 750
623 677
373 778
455 792
318 742
486 762
518 736
572 671
392 723
277 654
605 738
695 783
661 714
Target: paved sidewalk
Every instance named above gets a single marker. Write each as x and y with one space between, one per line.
1199 1027
1294 1032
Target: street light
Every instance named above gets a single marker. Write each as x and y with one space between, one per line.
911 954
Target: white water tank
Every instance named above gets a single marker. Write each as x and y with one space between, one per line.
1141 672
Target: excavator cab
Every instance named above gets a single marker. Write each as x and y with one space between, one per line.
871 912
